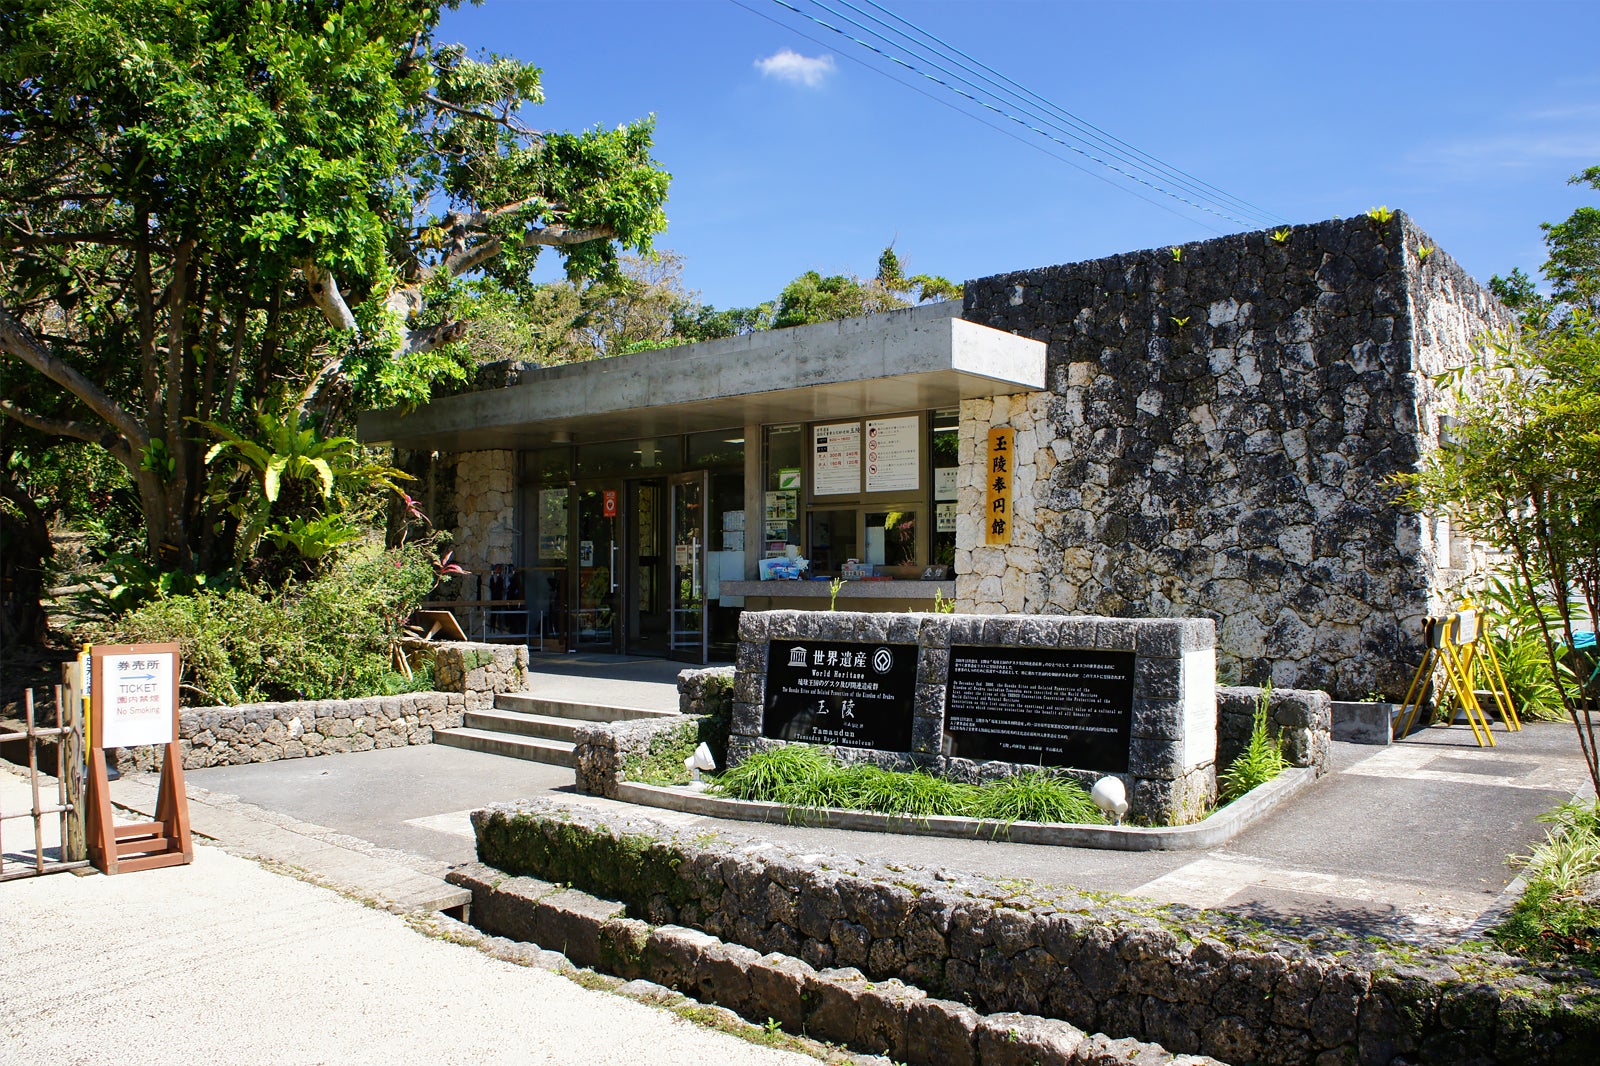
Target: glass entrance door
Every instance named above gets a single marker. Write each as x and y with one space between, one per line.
597 607
686 634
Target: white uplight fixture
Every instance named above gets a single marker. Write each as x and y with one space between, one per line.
1111 796
700 760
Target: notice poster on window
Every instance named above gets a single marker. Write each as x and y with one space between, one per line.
836 459
892 454
944 482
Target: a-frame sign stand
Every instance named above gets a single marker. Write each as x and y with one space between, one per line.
133 701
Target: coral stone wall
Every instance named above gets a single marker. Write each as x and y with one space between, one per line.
1217 438
485 505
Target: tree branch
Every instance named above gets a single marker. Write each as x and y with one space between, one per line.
324 290
17 341
431 337
466 112
61 427
555 235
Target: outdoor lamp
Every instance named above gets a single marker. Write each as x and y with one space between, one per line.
1111 796
700 760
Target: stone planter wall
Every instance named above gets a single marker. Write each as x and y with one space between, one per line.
1193 981
479 671
1301 718
602 747
1171 775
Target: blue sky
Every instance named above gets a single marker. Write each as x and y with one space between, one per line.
1468 115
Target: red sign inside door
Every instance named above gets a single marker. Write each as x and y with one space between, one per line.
608 503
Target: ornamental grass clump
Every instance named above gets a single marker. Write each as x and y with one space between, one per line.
805 777
1261 760
1035 796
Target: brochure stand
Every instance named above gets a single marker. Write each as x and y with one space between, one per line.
133 691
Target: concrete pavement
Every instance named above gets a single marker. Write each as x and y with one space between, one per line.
222 961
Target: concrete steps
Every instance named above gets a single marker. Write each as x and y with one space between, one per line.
534 749
541 729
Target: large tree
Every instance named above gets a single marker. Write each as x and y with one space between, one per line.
224 211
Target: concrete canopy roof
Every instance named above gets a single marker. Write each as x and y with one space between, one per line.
919 357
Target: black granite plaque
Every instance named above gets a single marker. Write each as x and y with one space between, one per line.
1041 706
851 695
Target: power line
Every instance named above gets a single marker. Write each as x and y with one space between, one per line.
1135 155
1012 134
1221 209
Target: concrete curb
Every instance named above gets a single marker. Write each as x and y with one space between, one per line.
1219 828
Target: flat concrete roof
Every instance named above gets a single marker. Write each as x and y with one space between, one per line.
918 357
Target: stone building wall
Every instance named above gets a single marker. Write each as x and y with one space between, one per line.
485 505
1216 440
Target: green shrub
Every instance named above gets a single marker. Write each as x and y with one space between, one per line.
1558 916
328 638
1261 760
800 776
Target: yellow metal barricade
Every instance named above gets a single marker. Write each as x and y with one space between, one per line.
1454 646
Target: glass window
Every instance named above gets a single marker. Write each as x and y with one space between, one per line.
785 480
721 449
892 539
832 540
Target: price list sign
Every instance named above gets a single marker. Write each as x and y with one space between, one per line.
1041 706
849 695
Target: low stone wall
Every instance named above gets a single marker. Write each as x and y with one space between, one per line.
1301 718
836 1004
479 671
267 732
467 677
1193 981
601 748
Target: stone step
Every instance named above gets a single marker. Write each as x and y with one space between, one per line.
524 725
533 749
525 703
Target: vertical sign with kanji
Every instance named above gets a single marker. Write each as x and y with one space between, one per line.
997 514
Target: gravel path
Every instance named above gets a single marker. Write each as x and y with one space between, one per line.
223 961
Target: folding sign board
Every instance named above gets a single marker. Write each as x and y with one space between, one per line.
133 702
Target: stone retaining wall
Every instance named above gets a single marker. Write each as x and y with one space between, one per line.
1193 981
267 732
467 675
837 1004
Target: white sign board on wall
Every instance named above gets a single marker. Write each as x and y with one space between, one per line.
892 464
836 459
138 698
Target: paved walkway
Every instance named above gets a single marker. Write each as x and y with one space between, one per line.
1405 841
222 961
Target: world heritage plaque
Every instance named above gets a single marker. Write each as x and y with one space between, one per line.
1040 706
832 692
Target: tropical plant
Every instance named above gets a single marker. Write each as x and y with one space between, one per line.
1558 914
1260 761
1381 214
1515 630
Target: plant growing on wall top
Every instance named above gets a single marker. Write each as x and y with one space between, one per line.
1280 236
1380 214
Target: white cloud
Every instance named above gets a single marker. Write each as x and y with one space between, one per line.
790 66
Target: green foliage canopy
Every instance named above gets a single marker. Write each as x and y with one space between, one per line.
221 209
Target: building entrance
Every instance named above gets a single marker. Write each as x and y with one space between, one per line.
639 567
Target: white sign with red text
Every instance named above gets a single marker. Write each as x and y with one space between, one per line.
137 699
